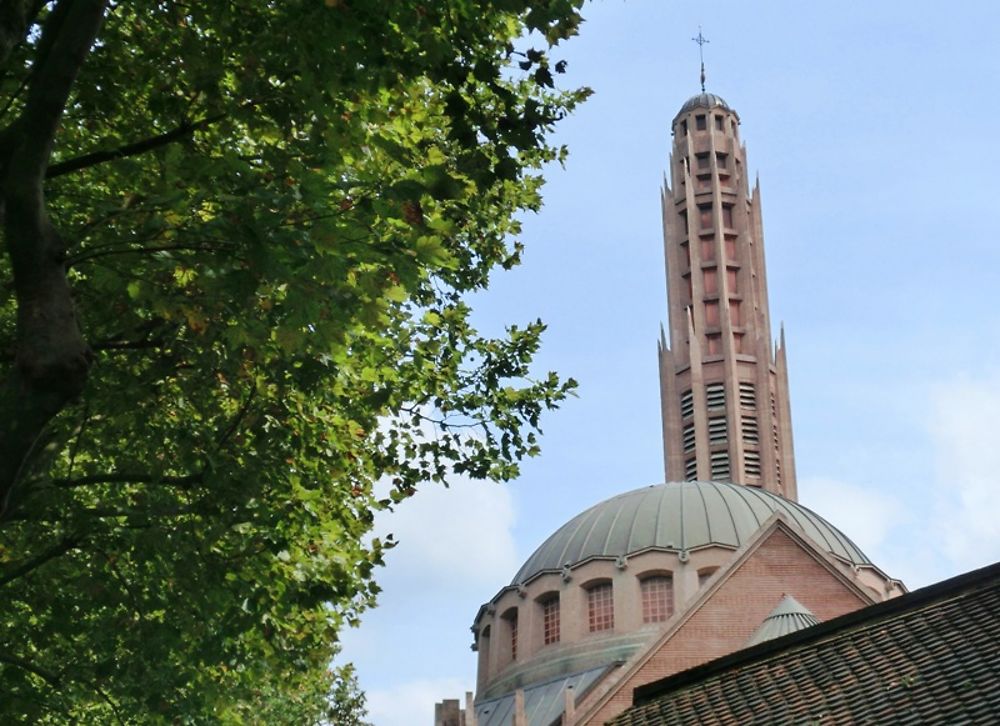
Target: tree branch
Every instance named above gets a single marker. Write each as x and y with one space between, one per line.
145 516
237 419
35 562
146 344
16 16
88 256
62 49
149 335
78 437
183 131
114 478
48 676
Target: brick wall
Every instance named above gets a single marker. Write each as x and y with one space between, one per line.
722 624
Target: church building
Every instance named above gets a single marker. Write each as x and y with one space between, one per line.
722 557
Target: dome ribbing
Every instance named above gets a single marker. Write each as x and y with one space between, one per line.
678 516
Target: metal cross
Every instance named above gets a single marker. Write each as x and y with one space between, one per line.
701 40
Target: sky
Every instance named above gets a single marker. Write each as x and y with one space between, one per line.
873 127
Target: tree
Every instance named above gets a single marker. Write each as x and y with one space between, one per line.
237 241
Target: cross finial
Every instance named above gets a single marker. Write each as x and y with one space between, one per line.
701 40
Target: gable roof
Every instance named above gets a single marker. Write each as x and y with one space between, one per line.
929 656
776 523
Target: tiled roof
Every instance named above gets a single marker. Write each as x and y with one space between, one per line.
787 617
931 656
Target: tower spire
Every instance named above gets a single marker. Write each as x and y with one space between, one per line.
701 40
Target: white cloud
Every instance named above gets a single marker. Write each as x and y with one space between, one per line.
458 534
412 702
455 550
865 515
965 430
944 523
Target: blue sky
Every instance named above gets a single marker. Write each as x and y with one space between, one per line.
873 127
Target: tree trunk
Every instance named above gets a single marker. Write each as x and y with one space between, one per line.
52 359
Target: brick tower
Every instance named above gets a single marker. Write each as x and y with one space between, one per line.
657 580
723 384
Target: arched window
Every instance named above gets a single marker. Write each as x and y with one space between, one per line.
510 620
657 598
600 606
550 618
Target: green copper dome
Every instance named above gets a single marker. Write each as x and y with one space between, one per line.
678 516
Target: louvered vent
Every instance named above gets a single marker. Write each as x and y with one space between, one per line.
715 395
688 438
717 430
774 435
687 404
691 469
720 466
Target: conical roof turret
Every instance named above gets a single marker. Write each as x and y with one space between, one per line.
789 616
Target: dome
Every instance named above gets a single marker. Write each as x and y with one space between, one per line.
678 517
704 100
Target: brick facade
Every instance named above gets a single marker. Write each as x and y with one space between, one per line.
730 612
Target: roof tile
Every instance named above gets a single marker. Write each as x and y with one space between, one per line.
930 656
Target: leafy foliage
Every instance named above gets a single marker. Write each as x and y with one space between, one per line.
237 247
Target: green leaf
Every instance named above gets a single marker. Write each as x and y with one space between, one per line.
274 261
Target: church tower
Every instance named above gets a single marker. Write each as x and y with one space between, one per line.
660 579
723 383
